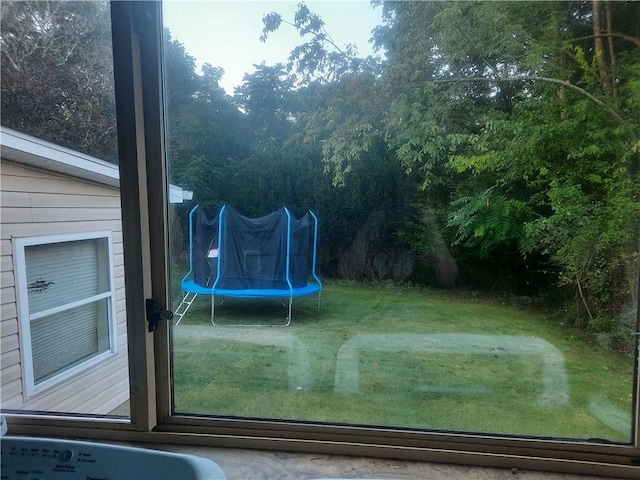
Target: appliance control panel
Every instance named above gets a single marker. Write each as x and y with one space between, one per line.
26 458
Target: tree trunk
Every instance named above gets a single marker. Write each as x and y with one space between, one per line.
599 47
562 93
612 52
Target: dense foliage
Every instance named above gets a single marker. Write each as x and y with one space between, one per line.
518 123
57 73
495 146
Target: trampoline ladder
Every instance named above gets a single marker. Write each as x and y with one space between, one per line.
181 311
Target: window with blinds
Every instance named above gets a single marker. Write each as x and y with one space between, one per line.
66 301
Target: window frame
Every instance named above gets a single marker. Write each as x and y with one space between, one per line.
137 36
439 446
20 244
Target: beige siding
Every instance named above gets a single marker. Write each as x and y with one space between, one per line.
6 279
35 203
9 358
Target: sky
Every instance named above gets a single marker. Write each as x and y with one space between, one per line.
225 33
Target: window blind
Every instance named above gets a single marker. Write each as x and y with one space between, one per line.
59 275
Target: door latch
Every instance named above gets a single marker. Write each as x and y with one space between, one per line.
155 314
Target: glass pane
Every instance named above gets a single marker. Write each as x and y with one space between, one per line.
66 339
474 264
60 182
62 273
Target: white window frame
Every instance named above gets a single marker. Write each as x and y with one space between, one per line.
25 317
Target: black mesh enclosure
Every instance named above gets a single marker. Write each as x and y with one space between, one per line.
253 251
205 249
252 254
301 250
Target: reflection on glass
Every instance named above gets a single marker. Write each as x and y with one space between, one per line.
473 180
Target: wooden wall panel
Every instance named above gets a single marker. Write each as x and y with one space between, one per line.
7 295
12 395
89 389
7 279
42 200
37 203
12 373
58 228
53 184
10 342
5 247
6 263
9 327
15 199
8 311
9 358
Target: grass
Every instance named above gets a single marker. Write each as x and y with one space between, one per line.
401 357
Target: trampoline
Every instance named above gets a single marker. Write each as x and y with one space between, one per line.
231 255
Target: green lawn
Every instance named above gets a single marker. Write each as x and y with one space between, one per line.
401 357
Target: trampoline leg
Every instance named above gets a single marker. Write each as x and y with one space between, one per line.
290 308
213 309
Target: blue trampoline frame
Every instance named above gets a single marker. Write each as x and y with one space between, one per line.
191 289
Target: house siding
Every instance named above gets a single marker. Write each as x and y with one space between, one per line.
35 203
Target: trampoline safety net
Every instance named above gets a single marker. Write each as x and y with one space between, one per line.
234 255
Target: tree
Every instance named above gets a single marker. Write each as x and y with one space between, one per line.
319 58
551 168
509 118
263 96
207 134
57 73
349 123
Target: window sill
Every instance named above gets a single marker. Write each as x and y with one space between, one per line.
244 463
